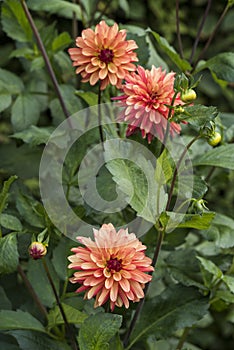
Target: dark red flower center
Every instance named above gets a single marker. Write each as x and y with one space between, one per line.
114 264
106 55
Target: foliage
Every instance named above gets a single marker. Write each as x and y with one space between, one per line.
189 303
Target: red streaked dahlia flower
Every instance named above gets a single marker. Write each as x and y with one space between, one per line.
147 95
104 54
113 267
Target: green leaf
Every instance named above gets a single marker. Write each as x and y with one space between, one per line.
61 42
29 340
73 316
5 303
222 65
97 330
19 320
175 308
229 281
222 156
221 231
34 135
89 97
14 21
8 254
59 7
22 52
5 100
26 206
200 115
25 112
39 281
170 51
143 48
197 221
10 222
209 266
10 83
4 192
164 170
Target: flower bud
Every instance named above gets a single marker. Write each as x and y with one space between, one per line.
37 250
214 139
188 95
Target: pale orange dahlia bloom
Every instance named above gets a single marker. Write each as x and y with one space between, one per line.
104 54
147 95
112 268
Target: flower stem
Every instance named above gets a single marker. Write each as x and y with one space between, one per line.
177 169
68 328
46 59
211 37
142 301
200 30
182 339
178 30
100 113
32 291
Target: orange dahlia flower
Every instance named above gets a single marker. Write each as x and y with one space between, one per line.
104 54
113 267
147 95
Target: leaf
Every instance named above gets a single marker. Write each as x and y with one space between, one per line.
143 48
229 281
97 330
26 206
89 97
34 135
5 303
22 52
5 192
5 101
170 51
10 83
19 320
10 222
25 112
59 7
209 266
164 170
200 115
175 308
73 316
14 21
8 254
29 340
134 174
222 156
222 65
197 221
39 281
221 231
61 42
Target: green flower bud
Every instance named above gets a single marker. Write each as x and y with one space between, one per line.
188 95
214 139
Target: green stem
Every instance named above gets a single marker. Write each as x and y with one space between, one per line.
46 59
68 328
177 169
32 292
182 339
178 30
200 30
142 301
100 113
211 37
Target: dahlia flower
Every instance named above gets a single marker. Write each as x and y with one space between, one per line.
147 95
104 54
113 267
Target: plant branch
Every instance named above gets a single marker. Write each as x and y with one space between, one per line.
211 37
177 169
200 30
142 301
46 59
178 29
183 338
32 291
100 113
69 330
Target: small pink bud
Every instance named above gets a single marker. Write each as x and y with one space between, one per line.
37 250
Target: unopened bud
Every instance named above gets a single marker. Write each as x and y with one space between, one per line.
189 95
214 139
37 250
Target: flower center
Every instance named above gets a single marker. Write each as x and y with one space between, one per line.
106 55
114 264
